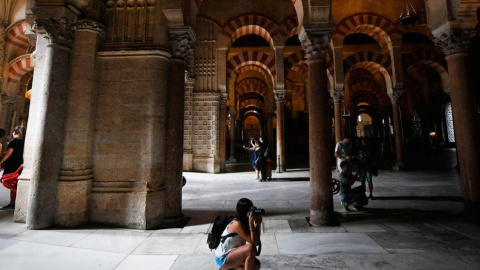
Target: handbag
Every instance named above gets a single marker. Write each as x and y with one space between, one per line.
10 180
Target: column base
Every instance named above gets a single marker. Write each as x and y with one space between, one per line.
280 169
398 166
175 222
323 219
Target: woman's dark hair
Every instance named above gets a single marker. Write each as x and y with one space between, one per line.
244 206
2 132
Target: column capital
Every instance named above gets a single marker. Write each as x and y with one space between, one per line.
181 40
223 98
395 96
57 22
86 24
314 44
454 41
279 96
337 96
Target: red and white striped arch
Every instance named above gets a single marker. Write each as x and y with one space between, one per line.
442 72
252 29
252 85
198 2
16 35
374 57
374 25
423 29
231 26
19 67
379 72
251 58
422 55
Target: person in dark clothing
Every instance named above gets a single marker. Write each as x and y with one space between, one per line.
267 152
13 159
348 195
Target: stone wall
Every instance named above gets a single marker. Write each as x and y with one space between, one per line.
206 132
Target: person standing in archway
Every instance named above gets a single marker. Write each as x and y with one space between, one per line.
267 154
13 159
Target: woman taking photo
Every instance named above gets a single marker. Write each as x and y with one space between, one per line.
234 252
12 159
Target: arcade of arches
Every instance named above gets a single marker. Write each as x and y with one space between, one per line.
120 96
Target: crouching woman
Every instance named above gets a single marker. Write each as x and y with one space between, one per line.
235 252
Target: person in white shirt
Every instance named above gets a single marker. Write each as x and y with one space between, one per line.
343 151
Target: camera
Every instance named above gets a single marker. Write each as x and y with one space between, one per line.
257 211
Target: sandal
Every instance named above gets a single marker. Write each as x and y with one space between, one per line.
9 206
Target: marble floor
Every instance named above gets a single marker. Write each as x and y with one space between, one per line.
414 223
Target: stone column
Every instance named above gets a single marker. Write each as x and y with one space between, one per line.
233 136
397 127
76 175
45 137
337 108
280 158
467 130
181 40
223 131
269 131
321 197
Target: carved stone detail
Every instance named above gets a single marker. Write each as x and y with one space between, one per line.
181 41
454 42
337 96
395 96
90 25
279 96
58 22
315 46
223 99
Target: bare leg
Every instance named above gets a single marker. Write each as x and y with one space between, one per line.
241 257
370 187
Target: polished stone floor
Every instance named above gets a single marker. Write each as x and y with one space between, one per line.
414 223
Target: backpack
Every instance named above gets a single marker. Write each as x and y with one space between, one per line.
215 235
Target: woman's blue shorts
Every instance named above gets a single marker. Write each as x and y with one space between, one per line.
220 261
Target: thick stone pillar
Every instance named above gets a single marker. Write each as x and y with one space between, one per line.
280 158
467 131
233 136
337 108
397 130
181 39
321 197
76 175
223 132
45 137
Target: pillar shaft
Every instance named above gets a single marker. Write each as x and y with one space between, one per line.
223 131
321 197
46 138
397 126
337 107
76 174
279 98
233 136
174 138
466 131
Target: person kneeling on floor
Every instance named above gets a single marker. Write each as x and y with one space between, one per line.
348 195
239 250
